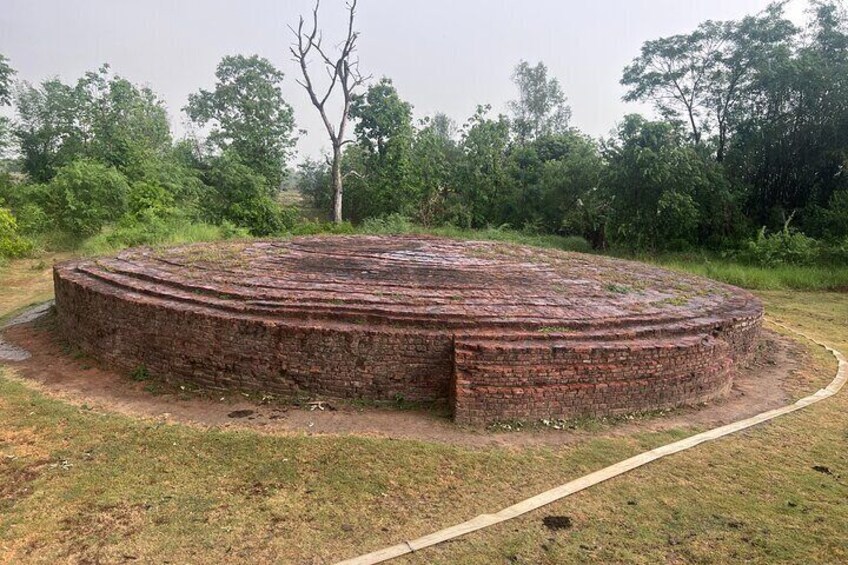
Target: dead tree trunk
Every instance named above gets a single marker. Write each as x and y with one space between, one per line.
342 71
338 189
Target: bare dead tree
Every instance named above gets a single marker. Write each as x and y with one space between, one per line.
343 73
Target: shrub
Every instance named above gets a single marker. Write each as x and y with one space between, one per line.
389 224
244 198
11 243
786 247
310 227
85 195
175 230
149 199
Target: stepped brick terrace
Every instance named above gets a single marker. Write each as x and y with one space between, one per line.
499 331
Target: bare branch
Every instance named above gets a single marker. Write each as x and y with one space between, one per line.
342 72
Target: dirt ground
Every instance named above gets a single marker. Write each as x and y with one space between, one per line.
770 379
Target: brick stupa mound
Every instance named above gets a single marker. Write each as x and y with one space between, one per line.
500 331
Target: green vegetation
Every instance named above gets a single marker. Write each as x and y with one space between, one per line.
92 165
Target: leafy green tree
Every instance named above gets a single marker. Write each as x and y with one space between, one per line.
102 117
314 183
85 195
242 196
482 177
6 74
700 78
652 180
568 179
248 115
385 133
541 107
790 146
434 160
119 123
46 128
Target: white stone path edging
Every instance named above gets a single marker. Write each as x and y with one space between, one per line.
562 491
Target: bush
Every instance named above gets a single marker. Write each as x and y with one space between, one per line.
149 199
85 195
389 224
157 231
314 228
786 247
11 243
244 198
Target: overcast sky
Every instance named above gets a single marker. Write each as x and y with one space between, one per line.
443 55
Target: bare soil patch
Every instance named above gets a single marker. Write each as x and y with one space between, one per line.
771 378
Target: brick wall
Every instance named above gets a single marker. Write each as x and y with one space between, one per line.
489 369
219 350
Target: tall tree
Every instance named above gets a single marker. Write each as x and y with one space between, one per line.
249 116
343 72
541 107
482 179
792 145
700 78
6 74
385 132
435 156
102 117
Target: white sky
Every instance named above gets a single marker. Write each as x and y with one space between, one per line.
443 55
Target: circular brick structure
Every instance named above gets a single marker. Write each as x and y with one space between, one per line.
500 331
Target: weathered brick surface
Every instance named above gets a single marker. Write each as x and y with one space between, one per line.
502 331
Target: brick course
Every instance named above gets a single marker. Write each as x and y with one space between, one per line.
503 332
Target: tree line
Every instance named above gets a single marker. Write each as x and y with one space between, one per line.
749 150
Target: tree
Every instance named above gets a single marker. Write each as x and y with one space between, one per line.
790 145
700 78
343 72
6 74
435 158
102 117
554 177
652 181
481 179
384 131
85 195
541 108
242 196
46 129
119 123
248 114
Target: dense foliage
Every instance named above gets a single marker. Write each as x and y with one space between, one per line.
753 134
747 157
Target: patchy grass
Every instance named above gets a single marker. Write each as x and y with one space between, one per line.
26 282
775 493
83 486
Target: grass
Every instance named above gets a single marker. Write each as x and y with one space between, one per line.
773 494
179 231
26 282
81 485
173 232
782 277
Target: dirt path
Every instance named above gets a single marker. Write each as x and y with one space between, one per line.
768 381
